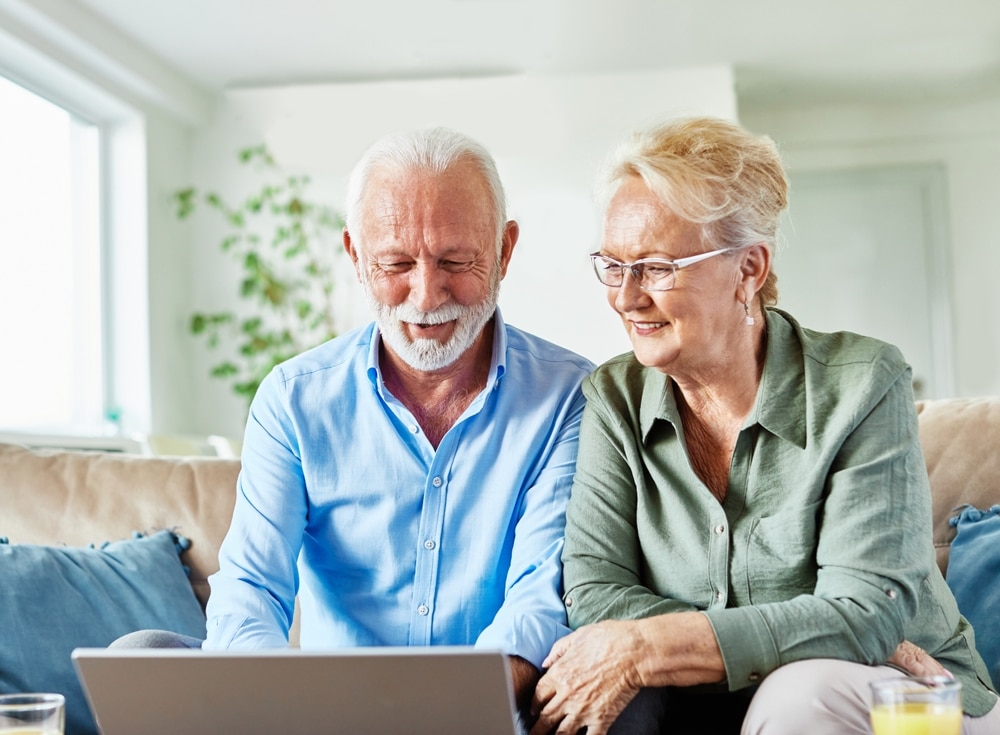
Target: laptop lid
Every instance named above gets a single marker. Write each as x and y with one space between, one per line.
438 689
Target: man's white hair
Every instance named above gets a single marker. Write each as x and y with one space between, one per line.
431 150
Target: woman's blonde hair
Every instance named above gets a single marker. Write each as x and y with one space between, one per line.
712 173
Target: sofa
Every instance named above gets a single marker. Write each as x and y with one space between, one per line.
67 500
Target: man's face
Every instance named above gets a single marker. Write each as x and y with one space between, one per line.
429 262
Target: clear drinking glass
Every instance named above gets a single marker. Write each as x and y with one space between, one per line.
32 714
916 705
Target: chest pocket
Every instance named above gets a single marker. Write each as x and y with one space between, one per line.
781 555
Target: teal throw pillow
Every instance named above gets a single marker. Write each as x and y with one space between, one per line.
974 577
54 599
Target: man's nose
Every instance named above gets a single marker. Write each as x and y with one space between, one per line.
428 287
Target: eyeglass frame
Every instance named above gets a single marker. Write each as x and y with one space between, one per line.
675 265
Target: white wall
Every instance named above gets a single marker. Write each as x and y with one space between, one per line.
548 136
963 135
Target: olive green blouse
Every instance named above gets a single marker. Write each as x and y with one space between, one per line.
822 547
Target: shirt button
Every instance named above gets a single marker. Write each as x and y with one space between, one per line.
429 544
719 596
569 602
754 677
891 594
437 482
720 529
423 609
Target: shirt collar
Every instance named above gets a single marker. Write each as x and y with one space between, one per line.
781 398
498 361
779 406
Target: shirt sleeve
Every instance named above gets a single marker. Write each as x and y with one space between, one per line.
603 559
532 616
253 594
873 554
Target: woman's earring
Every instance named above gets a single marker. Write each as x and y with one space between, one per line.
749 319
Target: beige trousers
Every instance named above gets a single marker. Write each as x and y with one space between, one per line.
829 697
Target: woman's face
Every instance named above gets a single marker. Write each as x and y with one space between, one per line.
686 330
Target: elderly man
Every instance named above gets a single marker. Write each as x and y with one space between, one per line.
408 480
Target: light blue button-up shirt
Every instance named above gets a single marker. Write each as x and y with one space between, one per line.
343 500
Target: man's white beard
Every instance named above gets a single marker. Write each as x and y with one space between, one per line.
428 355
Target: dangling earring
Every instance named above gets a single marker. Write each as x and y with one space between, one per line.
749 319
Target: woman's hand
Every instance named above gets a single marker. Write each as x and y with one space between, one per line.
594 673
591 676
916 661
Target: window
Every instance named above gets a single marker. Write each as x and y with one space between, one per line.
52 371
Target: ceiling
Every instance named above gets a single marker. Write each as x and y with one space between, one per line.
780 49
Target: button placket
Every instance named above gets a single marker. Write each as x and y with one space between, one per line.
428 542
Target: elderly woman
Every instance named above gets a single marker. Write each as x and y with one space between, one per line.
748 540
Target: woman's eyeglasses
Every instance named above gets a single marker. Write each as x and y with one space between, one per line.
652 274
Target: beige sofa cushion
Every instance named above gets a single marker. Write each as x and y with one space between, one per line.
961 442
96 497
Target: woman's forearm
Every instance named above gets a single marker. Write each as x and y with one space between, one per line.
681 650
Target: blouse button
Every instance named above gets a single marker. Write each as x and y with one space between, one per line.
423 609
720 529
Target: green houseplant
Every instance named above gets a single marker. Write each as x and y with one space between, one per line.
286 247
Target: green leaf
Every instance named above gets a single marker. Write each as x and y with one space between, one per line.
246 389
249 286
184 201
224 370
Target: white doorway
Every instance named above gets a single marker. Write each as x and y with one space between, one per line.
867 251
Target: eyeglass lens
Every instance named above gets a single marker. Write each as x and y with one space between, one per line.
658 276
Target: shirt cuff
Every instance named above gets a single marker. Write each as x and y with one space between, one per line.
530 637
749 652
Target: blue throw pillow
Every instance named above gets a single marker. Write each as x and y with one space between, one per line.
54 599
974 577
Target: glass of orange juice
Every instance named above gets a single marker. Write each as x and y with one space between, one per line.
916 705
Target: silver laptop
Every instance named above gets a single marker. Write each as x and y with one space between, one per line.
439 689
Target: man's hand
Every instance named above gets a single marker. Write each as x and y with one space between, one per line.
915 660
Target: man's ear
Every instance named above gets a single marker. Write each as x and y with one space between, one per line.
352 252
508 240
